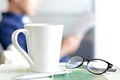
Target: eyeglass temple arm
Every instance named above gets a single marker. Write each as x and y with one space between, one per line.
112 70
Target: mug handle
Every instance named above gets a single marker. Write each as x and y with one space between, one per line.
16 44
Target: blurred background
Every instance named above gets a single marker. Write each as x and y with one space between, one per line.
98 20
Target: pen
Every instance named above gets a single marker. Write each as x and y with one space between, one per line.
40 75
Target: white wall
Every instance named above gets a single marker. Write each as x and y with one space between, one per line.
64 6
67 12
3 5
108 30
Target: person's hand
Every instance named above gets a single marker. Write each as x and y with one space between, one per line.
70 44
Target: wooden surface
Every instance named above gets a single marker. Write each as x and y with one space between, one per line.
1 58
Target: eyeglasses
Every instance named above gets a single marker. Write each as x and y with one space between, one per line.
95 66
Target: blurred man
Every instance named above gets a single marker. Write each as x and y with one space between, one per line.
15 18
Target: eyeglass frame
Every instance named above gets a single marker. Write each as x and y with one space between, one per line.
109 65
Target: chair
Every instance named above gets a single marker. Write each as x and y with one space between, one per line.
1 55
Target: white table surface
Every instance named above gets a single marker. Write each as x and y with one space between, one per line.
8 71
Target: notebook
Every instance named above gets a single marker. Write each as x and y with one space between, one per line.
79 74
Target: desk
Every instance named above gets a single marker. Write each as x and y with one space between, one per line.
9 71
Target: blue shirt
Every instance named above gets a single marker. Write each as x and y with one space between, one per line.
8 24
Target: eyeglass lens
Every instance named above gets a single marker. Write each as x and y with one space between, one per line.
97 66
74 62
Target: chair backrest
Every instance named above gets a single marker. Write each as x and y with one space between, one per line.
1 55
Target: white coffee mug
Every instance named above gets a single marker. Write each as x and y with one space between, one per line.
44 46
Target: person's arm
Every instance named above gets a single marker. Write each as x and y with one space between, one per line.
70 44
